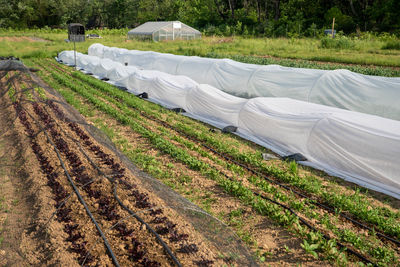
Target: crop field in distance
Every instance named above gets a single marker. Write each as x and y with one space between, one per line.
283 213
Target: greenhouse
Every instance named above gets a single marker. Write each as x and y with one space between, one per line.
164 30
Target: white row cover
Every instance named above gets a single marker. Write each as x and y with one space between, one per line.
338 88
358 147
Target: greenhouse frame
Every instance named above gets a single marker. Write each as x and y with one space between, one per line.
164 30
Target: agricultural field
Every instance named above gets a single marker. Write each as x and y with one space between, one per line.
367 54
282 213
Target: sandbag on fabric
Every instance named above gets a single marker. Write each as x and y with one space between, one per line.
340 142
358 147
341 88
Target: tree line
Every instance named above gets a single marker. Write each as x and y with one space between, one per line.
257 17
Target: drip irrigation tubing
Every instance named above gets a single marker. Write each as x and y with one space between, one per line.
353 252
109 249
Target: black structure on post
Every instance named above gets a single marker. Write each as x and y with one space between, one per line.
76 33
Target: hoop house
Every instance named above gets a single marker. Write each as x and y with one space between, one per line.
164 30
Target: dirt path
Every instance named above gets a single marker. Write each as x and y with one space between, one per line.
22 39
16 211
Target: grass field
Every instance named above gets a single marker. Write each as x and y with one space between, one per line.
173 149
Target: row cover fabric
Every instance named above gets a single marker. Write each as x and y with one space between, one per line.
358 147
338 88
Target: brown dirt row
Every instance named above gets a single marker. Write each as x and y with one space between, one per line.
27 244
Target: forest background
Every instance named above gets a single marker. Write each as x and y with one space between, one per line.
270 18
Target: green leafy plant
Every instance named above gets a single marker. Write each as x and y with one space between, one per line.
310 248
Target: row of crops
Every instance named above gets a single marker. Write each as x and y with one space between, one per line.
278 191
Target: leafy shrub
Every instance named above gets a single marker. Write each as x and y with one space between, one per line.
337 43
312 30
238 28
227 30
212 30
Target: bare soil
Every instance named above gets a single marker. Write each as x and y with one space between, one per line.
16 213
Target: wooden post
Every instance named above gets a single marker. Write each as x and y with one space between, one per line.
333 28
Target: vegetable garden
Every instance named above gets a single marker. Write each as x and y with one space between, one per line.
79 136
328 220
